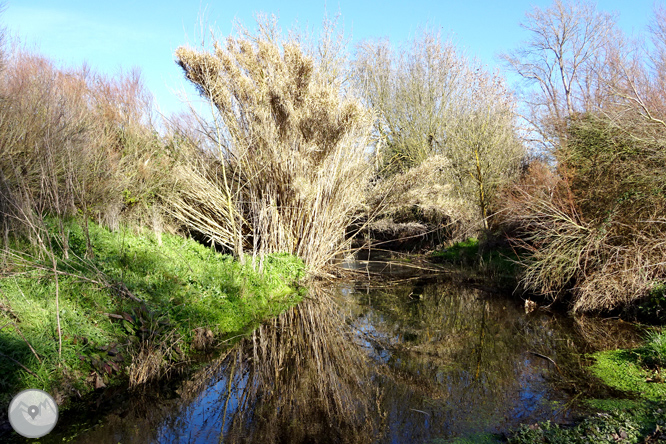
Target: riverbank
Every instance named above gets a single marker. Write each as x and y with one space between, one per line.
634 377
140 308
637 417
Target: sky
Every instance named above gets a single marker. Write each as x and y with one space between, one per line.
122 35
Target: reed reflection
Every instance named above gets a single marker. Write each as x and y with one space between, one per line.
408 363
301 378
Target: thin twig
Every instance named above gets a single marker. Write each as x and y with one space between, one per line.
22 366
548 359
24 339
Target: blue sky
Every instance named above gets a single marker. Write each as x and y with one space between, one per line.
122 34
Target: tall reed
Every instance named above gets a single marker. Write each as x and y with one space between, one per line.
290 164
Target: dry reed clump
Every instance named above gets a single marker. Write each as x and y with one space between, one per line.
73 142
421 194
289 168
596 228
155 358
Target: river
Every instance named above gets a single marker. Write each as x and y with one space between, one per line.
420 360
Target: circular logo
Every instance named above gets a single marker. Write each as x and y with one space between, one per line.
33 413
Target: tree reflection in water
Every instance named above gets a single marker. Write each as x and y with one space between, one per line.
300 378
405 363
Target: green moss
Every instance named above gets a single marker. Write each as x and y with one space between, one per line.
182 285
621 369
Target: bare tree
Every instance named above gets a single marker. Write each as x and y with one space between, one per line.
482 143
435 106
638 77
562 61
411 90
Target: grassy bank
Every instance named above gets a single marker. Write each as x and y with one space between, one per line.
496 265
137 310
640 417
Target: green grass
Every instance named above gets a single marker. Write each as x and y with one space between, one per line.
639 419
183 285
459 252
475 438
608 405
498 265
622 369
653 352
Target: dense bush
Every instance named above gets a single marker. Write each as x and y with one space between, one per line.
597 225
74 142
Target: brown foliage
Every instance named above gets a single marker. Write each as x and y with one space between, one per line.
73 142
597 226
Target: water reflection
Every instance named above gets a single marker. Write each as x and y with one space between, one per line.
410 363
459 362
300 378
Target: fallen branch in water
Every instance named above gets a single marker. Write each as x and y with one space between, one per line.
548 359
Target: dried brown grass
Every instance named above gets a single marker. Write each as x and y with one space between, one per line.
422 194
155 357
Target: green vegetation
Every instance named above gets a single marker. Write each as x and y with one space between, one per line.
477 438
138 310
621 369
653 352
499 265
464 251
636 371
637 425
653 306
640 419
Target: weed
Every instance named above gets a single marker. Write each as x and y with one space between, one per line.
653 352
641 424
621 369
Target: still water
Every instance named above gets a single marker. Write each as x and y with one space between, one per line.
420 361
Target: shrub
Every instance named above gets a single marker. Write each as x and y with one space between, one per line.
74 142
595 227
